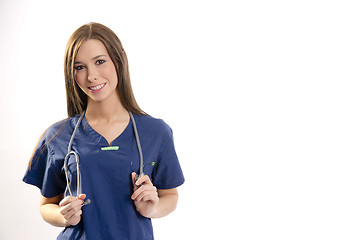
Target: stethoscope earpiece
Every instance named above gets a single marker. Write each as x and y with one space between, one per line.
88 201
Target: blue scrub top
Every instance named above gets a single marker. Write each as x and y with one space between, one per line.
106 174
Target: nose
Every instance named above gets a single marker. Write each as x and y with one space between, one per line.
91 75
92 79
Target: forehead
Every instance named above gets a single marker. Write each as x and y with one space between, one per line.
90 49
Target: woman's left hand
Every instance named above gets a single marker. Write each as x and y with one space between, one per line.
145 195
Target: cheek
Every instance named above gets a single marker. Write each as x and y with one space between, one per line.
79 77
111 74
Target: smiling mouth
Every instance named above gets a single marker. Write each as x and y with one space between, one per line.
98 87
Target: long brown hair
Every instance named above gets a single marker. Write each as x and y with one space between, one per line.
76 98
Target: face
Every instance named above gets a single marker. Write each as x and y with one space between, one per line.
95 72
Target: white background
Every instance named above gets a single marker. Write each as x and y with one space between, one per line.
250 89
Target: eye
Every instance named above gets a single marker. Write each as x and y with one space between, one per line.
100 62
79 67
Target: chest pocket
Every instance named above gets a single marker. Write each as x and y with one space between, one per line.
148 168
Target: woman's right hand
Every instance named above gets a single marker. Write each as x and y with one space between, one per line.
70 209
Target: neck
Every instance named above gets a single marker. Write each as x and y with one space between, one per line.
109 110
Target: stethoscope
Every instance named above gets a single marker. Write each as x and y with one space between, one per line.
70 152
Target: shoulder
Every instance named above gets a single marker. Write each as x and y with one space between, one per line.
60 129
55 128
151 124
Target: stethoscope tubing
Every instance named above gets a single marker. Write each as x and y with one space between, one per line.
141 164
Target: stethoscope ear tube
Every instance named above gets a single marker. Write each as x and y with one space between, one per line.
69 153
141 164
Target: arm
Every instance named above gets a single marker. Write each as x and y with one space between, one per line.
62 212
151 202
167 202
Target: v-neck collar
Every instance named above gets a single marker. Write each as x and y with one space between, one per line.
98 138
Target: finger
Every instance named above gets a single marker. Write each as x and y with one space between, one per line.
148 198
139 191
133 175
71 206
67 200
149 195
74 211
143 189
74 219
145 180
82 196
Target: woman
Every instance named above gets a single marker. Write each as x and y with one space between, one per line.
100 98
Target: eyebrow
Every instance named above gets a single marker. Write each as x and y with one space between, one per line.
99 56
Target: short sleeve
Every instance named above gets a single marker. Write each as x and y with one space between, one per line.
43 172
168 173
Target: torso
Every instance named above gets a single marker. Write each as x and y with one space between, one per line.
106 173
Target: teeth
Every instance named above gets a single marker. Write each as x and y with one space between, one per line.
97 87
